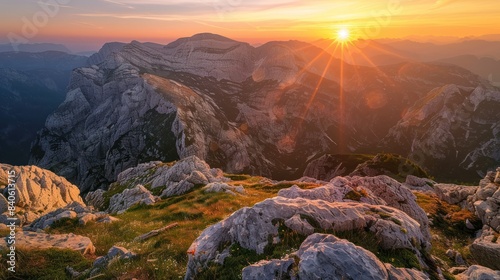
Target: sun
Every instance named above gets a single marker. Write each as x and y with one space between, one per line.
343 35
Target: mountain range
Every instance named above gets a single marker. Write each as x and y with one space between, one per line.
265 110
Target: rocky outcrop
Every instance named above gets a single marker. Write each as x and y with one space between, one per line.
380 190
139 195
40 191
96 199
37 241
419 184
486 200
175 178
252 228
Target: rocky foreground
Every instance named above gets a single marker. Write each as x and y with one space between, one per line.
235 226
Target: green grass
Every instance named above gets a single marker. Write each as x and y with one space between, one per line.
49 264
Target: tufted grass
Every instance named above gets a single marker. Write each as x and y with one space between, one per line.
165 256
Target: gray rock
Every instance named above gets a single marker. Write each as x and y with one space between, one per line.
477 272
119 203
457 270
339 260
273 269
486 202
417 183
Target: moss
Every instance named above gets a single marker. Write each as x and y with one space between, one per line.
237 177
353 195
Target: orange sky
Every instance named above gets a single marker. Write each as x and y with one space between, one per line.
85 25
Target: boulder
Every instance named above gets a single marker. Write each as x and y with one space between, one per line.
339 259
40 191
477 272
273 269
37 240
119 203
420 184
486 249
404 273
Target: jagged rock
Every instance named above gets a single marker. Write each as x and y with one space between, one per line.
96 199
273 269
477 272
454 194
119 203
486 249
405 273
40 191
223 187
252 227
37 240
456 257
339 259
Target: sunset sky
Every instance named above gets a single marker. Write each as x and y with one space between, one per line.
87 24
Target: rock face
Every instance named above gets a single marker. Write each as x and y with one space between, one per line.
36 241
40 191
433 130
119 203
239 108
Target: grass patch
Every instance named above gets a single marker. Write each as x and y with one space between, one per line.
47 264
66 224
449 224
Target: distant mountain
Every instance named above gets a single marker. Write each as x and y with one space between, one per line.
32 85
486 67
34 48
266 110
